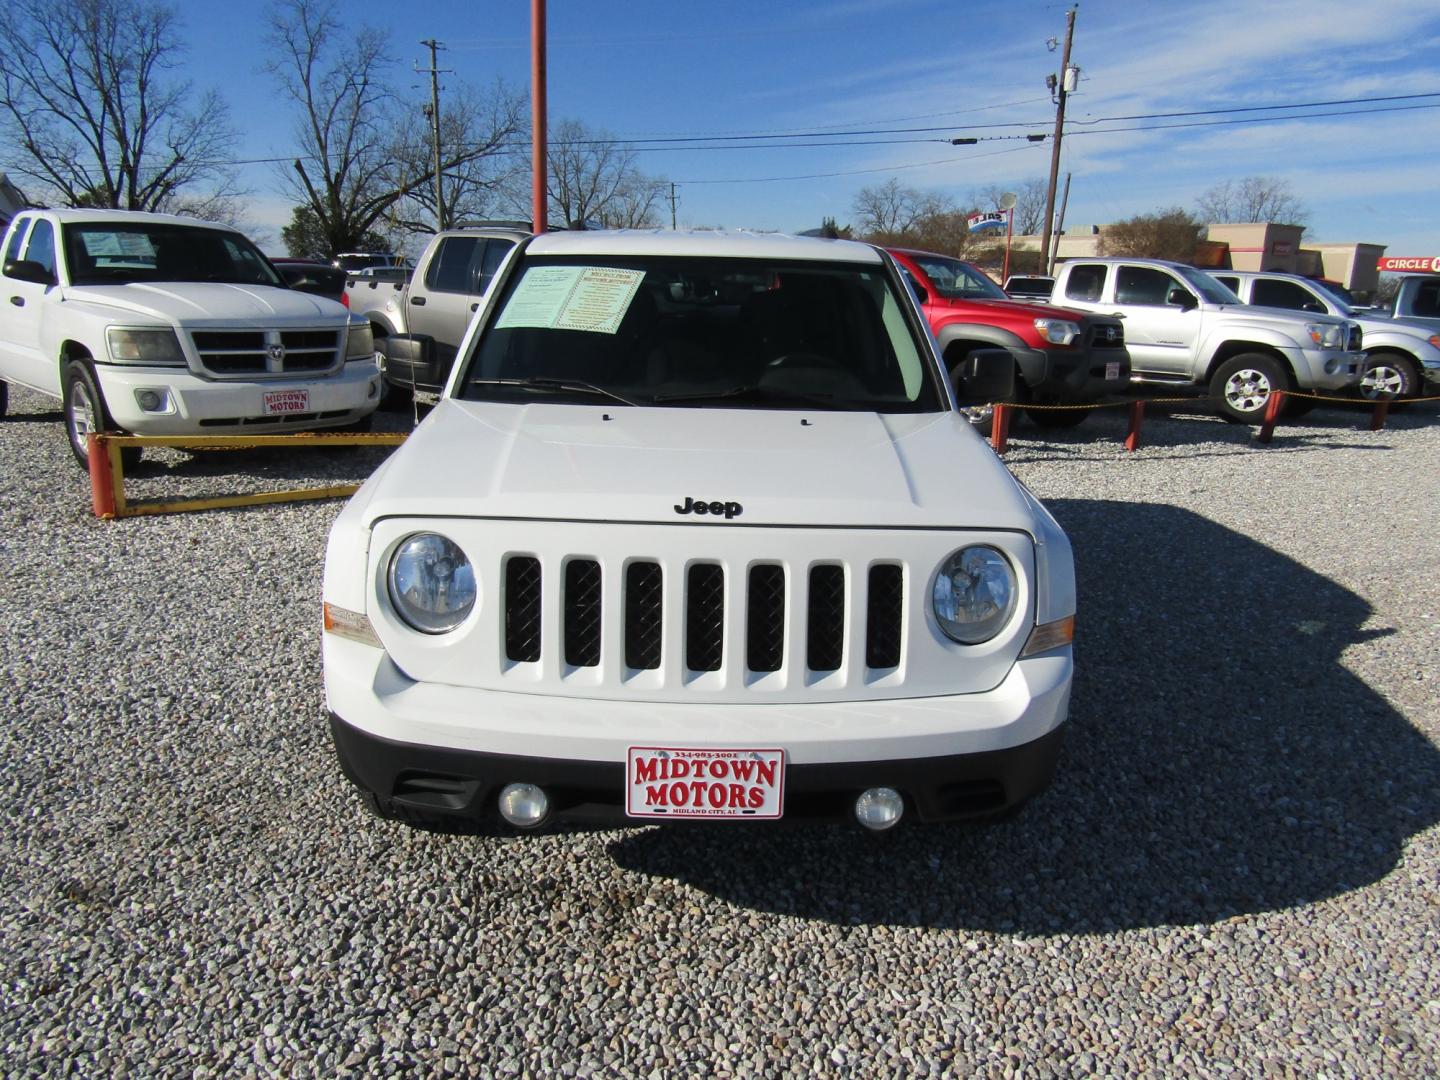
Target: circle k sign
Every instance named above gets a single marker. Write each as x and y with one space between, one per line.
1408 264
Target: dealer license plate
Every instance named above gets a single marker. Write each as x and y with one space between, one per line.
282 402
674 782
1112 370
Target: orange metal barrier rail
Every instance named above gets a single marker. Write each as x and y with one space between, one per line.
107 479
1000 426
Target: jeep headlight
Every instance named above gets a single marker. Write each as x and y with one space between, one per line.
974 594
1326 335
360 342
432 584
1058 331
160 347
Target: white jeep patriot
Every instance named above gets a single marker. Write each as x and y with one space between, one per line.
696 531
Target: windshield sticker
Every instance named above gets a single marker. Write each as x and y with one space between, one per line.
118 245
590 298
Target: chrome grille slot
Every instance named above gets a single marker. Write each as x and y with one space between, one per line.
231 352
309 350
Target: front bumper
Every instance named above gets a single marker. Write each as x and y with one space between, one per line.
1079 374
436 749
1329 369
198 406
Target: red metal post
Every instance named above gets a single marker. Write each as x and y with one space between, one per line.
1377 418
102 480
1273 406
1137 415
1000 428
539 161
1009 232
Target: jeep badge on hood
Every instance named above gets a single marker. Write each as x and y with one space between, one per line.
695 506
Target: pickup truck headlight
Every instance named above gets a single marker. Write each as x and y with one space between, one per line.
1058 331
1326 335
159 347
360 342
974 594
432 583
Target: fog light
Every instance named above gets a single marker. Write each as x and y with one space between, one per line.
1332 366
523 805
150 400
879 808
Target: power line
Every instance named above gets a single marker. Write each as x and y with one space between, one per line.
855 172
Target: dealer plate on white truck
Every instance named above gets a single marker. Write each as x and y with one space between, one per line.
677 782
282 402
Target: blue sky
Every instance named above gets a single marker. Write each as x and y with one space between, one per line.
643 68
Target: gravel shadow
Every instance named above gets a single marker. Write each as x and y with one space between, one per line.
1220 760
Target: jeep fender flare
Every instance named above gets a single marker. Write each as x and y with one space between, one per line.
968 336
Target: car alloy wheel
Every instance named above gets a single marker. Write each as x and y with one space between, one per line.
1247 390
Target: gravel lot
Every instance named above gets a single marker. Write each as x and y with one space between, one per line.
1237 870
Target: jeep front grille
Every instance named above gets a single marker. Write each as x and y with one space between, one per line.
760 600
274 353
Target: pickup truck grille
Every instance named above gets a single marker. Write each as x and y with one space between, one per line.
1107 335
248 353
759 599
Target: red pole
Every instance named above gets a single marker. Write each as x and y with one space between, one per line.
1377 418
1137 414
1272 413
539 162
1000 428
1009 231
102 481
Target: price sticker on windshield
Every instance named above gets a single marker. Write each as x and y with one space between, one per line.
589 298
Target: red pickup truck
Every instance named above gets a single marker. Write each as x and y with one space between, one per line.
1062 356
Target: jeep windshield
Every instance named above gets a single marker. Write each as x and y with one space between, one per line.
119 253
687 331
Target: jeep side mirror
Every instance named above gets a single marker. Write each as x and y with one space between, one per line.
984 376
1184 299
29 270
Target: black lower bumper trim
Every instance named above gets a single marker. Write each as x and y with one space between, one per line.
440 783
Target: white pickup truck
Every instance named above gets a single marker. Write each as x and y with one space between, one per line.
160 325
1402 354
418 321
1183 328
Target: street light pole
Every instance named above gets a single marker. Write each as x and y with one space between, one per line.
1055 144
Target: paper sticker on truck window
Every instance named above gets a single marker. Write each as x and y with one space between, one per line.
118 245
592 298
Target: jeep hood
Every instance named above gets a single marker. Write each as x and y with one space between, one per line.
202 303
623 464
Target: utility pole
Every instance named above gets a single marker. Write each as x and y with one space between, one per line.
539 162
1059 227
672 206
1061 93
433 45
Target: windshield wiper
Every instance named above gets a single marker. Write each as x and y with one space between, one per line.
554 384
750 390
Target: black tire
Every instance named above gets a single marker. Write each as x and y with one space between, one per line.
1389 375
4 398
394 398
85 411
1242 386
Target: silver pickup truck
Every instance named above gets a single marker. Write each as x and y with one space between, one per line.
418 323
1402 353
1183 328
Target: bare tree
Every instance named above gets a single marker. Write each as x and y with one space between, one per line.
896 211
1165 234
1253 199
360 156
594 179
483 134
89 115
